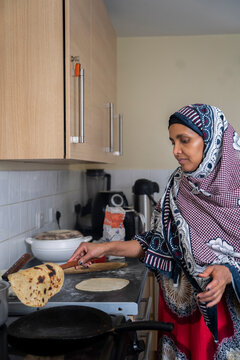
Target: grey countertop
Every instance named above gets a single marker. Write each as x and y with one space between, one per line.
124 301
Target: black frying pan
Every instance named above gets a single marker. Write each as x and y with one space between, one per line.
67 326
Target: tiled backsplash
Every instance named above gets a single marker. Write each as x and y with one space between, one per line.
25 196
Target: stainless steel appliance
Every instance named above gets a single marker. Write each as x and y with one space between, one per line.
97 180
4 285
144 203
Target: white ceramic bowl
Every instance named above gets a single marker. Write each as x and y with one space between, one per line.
57 251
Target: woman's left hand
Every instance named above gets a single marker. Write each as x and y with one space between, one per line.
221 276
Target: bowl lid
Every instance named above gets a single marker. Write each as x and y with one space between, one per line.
59 235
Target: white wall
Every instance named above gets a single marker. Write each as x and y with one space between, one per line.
159 75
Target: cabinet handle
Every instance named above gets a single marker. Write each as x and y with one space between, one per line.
120 151
111 112
81 110
111 126
79 73
120 134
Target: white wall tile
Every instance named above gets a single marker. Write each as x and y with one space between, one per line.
141 174
38 184
51 185
4 225
26 218
75 180
63 181
45 204
17 247
26 186
14 219
4 255
4 178
14 187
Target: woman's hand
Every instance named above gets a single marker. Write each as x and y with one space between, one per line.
221 276
88 251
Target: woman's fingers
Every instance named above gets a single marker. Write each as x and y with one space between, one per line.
221 276
78 253
213 301
213 293
86 252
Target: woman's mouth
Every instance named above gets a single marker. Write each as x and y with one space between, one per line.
181 161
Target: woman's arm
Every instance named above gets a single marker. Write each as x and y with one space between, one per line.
88 251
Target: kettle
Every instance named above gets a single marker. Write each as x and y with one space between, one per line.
144 203
134 223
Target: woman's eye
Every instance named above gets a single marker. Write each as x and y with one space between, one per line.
184 140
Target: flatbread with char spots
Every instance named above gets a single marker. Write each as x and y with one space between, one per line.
36 285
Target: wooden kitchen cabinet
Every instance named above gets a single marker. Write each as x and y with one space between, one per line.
39 92
151 289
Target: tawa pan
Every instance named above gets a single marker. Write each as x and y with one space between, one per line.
67 326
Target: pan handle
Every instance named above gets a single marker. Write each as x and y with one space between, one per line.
145 325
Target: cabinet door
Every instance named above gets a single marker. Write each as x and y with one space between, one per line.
104 76
77 44
31 86
87 37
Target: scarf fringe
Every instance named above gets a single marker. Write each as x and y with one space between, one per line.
158 263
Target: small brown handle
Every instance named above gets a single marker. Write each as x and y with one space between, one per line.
70 264
17 265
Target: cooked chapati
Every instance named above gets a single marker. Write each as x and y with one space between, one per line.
36 285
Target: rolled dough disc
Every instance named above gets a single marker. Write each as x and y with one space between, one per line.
102 284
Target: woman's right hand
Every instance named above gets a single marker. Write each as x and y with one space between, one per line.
87 252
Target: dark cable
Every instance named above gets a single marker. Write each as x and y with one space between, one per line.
58 215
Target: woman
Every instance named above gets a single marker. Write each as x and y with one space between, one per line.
193 245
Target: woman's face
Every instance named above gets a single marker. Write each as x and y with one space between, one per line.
188 146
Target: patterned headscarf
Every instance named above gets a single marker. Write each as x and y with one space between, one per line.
209 198
188 116
197 222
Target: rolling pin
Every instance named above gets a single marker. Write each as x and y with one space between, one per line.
95 267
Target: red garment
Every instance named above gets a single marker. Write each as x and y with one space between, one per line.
191 335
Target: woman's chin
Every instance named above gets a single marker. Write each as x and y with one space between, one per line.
187 169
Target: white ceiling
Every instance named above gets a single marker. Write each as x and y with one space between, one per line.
174 17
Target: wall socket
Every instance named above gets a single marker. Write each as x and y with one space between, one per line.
39 220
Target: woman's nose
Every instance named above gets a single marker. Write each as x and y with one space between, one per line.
177 149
